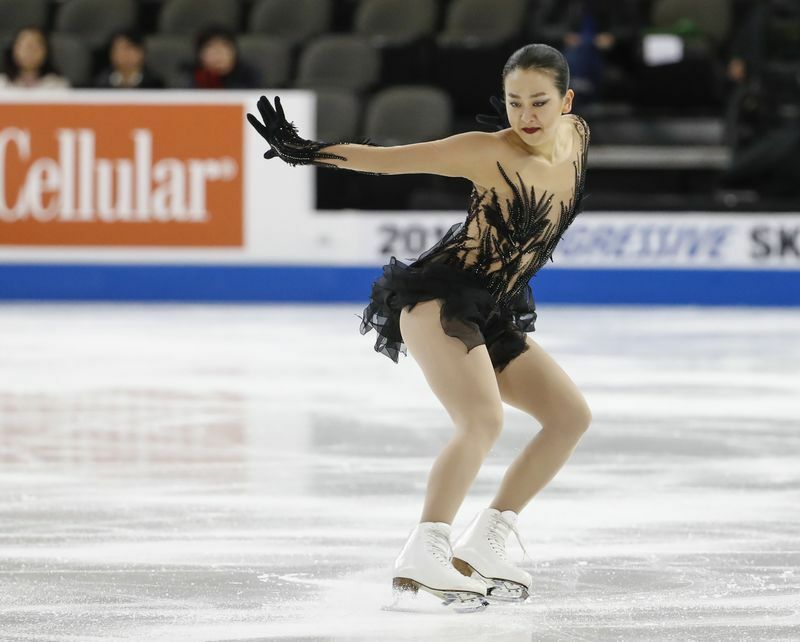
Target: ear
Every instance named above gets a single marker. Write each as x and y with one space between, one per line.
566 106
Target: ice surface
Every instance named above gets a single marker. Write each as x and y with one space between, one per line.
250 472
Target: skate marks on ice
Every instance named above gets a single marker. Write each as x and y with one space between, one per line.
203 473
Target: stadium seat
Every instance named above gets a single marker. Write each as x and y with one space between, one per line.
338 114
294 20
482 23
94 21
71 58
338 60
5 44
189 17
15 14
477 39
166 57
408 114
395 22
271 57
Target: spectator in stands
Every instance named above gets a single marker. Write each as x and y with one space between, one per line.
769 33
762 108
28 62
591 33
217 63
126 64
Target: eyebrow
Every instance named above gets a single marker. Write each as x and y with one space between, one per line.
541 93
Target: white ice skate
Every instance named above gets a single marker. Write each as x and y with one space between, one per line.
480 552
425 563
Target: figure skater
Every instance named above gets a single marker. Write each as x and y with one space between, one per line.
464 307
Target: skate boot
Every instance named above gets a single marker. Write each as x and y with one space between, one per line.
424 563
480 552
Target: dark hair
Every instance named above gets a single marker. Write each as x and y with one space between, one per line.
214 32
131 35
12 69
540 56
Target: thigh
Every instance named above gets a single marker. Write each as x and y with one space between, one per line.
534 383
464 382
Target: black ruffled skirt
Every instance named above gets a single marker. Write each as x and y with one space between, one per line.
469 312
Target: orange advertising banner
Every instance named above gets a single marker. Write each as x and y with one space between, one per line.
150 175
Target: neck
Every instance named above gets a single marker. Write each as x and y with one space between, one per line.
545 150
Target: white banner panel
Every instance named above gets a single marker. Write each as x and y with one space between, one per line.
682 240
146 177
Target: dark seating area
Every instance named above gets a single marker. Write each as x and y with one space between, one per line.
676 123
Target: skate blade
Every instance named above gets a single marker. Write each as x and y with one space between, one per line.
459 601
497 589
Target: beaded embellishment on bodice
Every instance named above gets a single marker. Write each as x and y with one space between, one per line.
507 237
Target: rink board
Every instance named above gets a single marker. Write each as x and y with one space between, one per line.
165 196
341 284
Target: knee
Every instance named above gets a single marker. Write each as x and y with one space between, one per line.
583 418
482 427
573 420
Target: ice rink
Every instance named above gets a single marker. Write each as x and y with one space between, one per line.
249 472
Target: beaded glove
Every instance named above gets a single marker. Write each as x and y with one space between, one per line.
282 136
286 143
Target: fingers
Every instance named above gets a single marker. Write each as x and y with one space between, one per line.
500 108
271 119
257 125
266 110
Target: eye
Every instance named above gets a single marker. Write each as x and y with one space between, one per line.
539 104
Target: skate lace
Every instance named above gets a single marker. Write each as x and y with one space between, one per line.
439 545
497 534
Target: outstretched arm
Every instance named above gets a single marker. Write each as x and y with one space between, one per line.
456 155
452 156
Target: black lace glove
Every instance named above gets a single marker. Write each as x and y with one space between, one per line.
286 143
498 122
283 139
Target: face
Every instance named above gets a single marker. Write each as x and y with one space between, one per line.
30 50
126 55
219 56
534 105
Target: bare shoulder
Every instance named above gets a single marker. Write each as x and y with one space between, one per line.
581 126
481 141
474 145
481 150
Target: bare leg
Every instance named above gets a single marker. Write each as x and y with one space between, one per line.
536 384
466 385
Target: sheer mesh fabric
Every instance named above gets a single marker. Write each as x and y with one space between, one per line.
482 266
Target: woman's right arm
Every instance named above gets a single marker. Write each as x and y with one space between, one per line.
458 155
461 155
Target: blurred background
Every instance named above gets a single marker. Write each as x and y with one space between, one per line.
693 105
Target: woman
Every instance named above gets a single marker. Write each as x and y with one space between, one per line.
28 62
126 68
218 65
463 309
